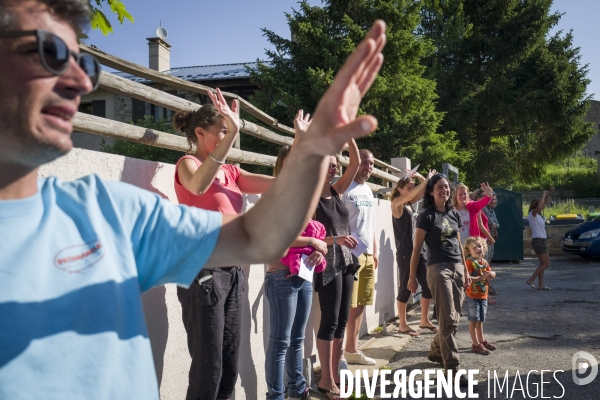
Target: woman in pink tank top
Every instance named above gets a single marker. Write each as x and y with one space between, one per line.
212 306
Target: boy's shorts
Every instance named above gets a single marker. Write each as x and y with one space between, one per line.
363 292
476 309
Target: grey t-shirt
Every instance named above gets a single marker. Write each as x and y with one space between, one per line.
441 239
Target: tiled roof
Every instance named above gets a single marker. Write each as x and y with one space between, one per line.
201 73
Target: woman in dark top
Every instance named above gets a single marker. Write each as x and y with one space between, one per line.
404 196
334 285
447 276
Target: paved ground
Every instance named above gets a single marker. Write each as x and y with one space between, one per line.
534 330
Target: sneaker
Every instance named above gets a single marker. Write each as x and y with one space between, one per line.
436 359
488 345
480 349
358 358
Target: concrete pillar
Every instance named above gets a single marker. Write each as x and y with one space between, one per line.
159 54
401 163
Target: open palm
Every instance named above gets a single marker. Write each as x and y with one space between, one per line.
335 122
231 116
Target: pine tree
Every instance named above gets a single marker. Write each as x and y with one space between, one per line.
514 94
300 70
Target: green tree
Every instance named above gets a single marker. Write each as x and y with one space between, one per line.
299 71
99 19
514 94
144 151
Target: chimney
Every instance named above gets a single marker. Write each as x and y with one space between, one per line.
159 54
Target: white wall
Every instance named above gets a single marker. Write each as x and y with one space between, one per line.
163 312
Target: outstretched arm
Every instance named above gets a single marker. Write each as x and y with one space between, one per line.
264 233
413 195
347 177
198 179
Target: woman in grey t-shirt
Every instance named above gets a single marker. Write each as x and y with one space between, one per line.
438 226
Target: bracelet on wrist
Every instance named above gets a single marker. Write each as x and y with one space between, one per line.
215 160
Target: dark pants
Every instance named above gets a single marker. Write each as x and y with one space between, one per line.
335 299
212 316
403 259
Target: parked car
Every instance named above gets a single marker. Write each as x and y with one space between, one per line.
583 239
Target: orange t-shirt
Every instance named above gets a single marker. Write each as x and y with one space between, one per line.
478 290
224 197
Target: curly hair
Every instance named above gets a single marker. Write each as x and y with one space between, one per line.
471 241
76 13
428 200
186 122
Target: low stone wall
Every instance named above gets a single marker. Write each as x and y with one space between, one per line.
555 234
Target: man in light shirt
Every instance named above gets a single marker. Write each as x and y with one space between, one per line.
360 203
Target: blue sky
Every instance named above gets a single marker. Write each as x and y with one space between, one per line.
228 31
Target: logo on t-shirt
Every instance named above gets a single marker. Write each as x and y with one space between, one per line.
79 257
447 232
361 200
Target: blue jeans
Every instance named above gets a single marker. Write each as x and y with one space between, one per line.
476 309
290 299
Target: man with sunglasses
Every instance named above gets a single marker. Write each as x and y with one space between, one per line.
76 256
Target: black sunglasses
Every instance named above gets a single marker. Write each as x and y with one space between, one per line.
55 55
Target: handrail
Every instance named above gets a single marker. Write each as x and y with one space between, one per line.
120 130
138 91
155 76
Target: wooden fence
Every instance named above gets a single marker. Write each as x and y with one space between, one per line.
119 130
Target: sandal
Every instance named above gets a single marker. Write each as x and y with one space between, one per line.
493 291
330 394
480 349
491 300
410 332
433 329
488 345
543 288
531 285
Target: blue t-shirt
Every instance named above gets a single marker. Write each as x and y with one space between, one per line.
74 260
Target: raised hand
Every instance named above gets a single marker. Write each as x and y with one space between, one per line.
487 189
334 121
431 173
301 123
230 114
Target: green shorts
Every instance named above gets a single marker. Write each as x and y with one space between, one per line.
364 288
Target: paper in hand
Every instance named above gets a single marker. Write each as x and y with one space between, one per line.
305 272
412 171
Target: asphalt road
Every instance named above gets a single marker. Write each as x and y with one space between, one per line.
534 331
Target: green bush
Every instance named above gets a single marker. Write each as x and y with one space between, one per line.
563 208
578 174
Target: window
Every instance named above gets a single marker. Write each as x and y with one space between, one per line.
96 107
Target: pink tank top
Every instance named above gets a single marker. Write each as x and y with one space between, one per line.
223 197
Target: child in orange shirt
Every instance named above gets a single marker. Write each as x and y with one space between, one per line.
476 302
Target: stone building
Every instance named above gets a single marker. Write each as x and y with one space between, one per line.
233 78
